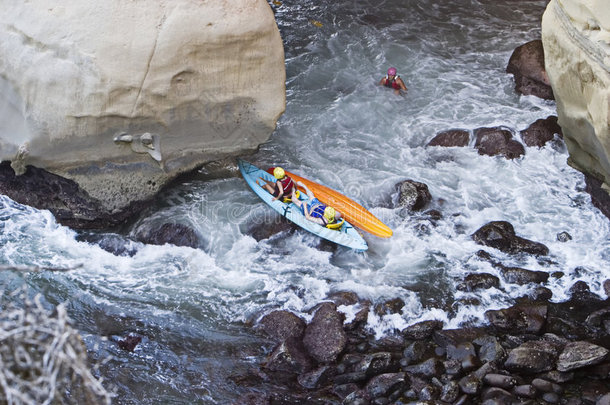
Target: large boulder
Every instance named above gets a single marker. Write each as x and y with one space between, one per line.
576 37
527 65
122 96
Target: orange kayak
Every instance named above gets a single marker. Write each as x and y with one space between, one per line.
353 212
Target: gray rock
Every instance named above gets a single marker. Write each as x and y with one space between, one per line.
564 237
416 352
290 357
497 394
413 195
526 391
385 384
428 368
519 318
580 354
280 325
546 386
317 378
517 275
500 380
450 392
532 357
470 384
477 281
490 349
377 363
603 400
324 337
175 234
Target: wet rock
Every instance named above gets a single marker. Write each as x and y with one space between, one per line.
541 132
607 287
386 384
580 291
129 343
497 141
416 352
317 378
546 386
324 337
532 357
527 65
289 357
422 330
519 318
600 198
500 380
449 138
446 337
470 384
551 398
261 230
253 398
498 394
490 349
580 354
343 390
350 378
392 306
112 243
501 235
280 325
564 237
344 298
377 363
525 390
450 392
517 275
541 294
68 202
359 397
478 281
175 234
429 368
603 400
413 195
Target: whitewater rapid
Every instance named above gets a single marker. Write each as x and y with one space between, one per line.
194 307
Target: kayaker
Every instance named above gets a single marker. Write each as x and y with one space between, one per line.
283 186
393 81
314 210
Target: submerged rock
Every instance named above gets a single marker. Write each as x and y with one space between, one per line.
501 235
497 141
175 234
413 195
541 132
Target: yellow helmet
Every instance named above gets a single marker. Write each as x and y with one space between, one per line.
278 173
329 214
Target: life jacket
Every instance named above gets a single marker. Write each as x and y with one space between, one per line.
393 84
287 185
318 210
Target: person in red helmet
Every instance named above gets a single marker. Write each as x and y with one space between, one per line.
393 81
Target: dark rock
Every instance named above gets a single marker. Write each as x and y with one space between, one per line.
377 363
129 343
385 384
551 398
497 141
428 368
261 230
360 317
501 235
500 380
289 357
112 243
253 398
175 234
541 294
519 318
546 386
532 357
413 195
324 337
422 330
490 349
450 392
557 376
603 400
446 337
392 306
452 137
477 281
600 198
453 367
607 287
580 354
564 237
343 390
541 132
344 298
317 378
527 65
70 205
359 397
517 275
280 325
470 384
526 391
580 291
350 378
416 352
497 394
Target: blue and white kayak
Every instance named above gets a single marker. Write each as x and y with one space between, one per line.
347 235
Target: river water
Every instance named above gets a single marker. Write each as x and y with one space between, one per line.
194 307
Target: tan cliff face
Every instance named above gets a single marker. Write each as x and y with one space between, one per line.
576 38
122 96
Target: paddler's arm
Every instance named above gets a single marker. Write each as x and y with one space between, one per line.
318 221
280 193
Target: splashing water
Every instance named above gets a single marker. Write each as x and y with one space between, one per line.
343 130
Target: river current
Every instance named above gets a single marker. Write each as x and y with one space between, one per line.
195 308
